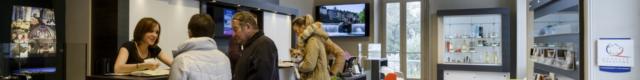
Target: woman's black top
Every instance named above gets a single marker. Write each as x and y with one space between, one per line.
134 57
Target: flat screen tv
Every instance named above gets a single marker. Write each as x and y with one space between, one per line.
222 18
344 20
228 15
33 32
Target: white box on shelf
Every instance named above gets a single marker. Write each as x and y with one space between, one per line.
375 51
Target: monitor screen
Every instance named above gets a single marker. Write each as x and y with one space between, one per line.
222 17
345 20
32 32
228 15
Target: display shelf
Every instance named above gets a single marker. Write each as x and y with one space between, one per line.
558 35
555 66
474 64
474 47
560 38
566 41
467 67
469 23
543 68
485 32
471 52
471 38
554 6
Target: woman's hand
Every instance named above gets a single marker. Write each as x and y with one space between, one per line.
149 66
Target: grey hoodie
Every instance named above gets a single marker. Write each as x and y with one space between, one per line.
197 44
199 59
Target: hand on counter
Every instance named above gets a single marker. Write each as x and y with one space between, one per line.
149 66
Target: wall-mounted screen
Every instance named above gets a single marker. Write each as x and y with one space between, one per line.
222 17
345 20
32 32
228 15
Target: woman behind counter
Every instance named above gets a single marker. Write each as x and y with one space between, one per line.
144 45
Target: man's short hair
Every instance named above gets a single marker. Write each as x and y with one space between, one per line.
246 18
201 25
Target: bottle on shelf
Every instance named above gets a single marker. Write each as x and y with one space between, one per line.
448 46
495 56
465 46
481 43
472 46
480 32
487 58
570 56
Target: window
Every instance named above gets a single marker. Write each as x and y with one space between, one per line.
413 39
393 35
393 40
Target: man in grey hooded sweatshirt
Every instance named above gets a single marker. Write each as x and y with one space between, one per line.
198 58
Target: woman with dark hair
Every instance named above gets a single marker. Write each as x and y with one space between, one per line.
144 45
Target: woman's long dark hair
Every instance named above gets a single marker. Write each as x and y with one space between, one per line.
146 25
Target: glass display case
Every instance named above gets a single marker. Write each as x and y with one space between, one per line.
472 40
475 40
557 46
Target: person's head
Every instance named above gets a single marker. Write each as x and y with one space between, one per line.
147 31
300 23
201 25
35 21
244 25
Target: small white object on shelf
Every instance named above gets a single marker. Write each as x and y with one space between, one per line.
375 50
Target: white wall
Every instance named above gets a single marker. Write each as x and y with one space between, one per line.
521 39
612 19
173 16
304 6
278 28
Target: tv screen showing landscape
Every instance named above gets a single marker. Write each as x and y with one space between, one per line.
345 20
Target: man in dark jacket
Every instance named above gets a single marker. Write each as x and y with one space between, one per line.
234 51
259 58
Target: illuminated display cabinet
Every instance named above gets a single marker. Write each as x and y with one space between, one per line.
476 40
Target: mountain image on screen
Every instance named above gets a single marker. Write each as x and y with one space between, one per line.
343 20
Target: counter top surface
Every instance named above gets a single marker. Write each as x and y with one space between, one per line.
108 77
